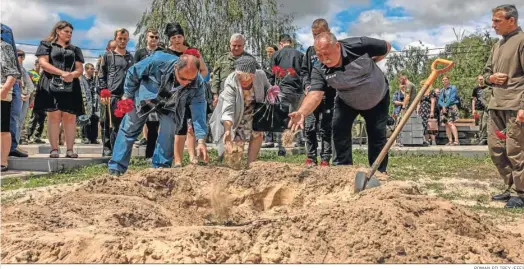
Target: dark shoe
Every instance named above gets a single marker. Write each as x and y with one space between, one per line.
324 164
281 152
24 142
310 162
515 202
18 153
502 197
483 143
95 142
115 173
4 168
86 141
107 153
142 142
38 141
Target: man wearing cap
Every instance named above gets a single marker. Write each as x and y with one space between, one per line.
232 119
165 84
349 66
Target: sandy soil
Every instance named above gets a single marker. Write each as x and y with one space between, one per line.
272 213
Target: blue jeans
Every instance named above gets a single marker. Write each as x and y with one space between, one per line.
16 110
130 129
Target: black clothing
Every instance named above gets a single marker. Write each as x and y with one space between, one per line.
109 134
359 82
113 72
376 119
6 117
63 59
90 131
143 53
478 92
288 57
152 136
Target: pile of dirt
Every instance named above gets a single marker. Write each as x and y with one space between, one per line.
272 213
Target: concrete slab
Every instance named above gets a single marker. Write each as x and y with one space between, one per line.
42 162
12 175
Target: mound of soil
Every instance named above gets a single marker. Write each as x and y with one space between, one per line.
271 213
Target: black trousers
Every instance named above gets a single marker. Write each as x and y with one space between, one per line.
109 134
375 118
152 135
90 131
36 123
319 122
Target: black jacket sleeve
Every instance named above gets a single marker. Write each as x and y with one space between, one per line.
305 70
102 75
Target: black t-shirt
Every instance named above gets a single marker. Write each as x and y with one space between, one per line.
359 81
478 92
143 53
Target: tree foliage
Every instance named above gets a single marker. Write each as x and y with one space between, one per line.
209 24
469 53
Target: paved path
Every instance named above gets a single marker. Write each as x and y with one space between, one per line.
39 162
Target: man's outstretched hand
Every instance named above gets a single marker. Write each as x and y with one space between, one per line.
296 121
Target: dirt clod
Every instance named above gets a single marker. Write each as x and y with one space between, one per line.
271 213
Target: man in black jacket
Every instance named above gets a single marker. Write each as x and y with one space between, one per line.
291 92
320 119
113 74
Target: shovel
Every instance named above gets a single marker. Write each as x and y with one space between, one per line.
367 180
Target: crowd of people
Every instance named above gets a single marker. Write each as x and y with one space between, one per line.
171 96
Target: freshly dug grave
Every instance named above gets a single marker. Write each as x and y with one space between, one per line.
271 213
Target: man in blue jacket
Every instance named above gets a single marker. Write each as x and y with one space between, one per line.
450 114
16 103
163 83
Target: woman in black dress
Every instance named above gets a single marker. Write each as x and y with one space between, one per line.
426 110
59 92
177 46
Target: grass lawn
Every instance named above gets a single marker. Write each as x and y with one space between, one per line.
466 181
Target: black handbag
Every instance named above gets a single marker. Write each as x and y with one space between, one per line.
270 117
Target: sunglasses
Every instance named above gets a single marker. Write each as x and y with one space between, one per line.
153 36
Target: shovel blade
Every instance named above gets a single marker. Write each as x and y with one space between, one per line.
360 179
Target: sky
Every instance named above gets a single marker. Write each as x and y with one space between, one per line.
403 23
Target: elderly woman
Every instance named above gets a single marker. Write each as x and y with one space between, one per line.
232 119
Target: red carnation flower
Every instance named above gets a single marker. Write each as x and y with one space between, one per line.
291 72
119 113
278 71
476 116
32 105
105 93
501 134
193 52
125 105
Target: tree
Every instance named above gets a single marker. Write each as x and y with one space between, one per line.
208 24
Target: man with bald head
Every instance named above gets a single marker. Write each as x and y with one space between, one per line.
349 67
166 84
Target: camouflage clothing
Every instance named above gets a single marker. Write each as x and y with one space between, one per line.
244 132
224 66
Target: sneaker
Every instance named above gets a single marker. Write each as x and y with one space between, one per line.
107 152
268 145
324 164
95 142
310 162
281 152
4 168
115 173
38 141
86 141
18 153
505 196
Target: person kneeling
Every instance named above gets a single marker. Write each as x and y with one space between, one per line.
166 84
232 119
